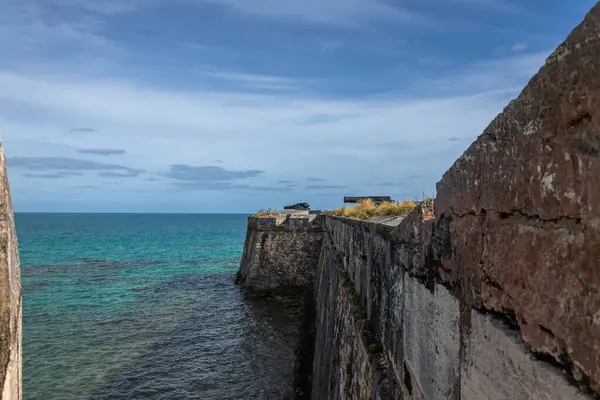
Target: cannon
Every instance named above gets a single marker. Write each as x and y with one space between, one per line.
298 206
375 199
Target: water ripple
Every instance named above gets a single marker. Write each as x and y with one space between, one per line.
215 346
131 308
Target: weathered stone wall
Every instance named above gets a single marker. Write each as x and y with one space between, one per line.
280 253
348 362
10 295
397 330
521 212
498 297
495 293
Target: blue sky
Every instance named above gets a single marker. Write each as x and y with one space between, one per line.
237 105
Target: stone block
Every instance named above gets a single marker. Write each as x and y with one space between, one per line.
497 366
432 338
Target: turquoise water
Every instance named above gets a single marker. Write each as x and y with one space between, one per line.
144 307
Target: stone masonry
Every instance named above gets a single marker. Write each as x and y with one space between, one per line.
396 330
520 211
491 292
10 295
280 253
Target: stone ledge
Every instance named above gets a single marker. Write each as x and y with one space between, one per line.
286 222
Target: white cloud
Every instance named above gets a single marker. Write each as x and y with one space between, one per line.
348 13
519 47
56 110
337 12
255 81
159 128
28 29
501 73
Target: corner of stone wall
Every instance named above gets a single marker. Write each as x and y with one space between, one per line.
432 338
280 254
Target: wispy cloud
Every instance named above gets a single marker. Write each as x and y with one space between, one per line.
220 186
391 184
47 27
503 6
208 173
206 111
519 47
502 73
323 187
87 187
102 152
284 133
32 21
56 175
120 174
68 164
349 13
210 178
187 126
107 7
82 130
253 80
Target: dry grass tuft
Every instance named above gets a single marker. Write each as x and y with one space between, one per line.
265 213
366 209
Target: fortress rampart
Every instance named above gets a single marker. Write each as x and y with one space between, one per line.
490 292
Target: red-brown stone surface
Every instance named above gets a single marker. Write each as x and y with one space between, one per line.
524 209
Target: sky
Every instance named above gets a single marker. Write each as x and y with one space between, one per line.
202 106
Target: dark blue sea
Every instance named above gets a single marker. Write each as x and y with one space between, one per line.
144 307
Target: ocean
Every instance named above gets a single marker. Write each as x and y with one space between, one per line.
142 306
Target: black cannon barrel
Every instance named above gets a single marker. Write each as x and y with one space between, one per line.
298 206
376 199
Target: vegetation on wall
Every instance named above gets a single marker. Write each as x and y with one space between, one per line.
266 213
367 209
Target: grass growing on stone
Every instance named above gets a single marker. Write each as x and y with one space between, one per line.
360 313
265 213
367 209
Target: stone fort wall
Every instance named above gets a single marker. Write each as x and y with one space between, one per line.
491 292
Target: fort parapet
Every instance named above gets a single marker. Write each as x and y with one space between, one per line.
281 252
491 292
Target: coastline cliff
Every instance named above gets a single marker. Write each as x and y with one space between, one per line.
490 292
